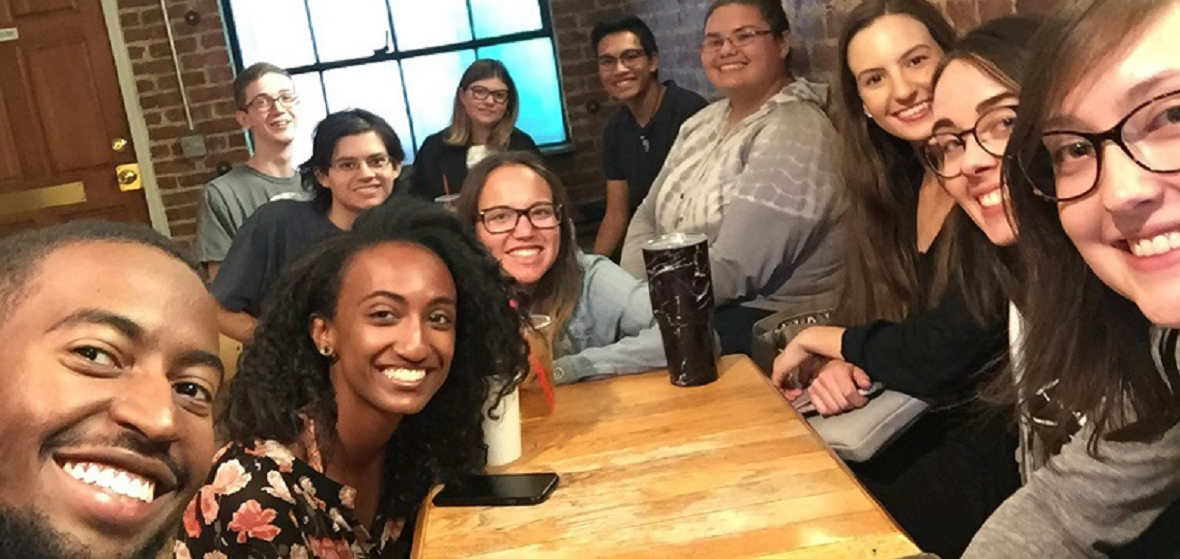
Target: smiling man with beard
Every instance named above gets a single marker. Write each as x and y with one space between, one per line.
110 369
639 135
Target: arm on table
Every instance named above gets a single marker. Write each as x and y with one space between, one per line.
623 321
924 353
614 223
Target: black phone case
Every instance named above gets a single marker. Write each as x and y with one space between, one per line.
449 497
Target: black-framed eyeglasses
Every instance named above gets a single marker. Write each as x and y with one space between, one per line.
351 165
740 38
263 102
502 219
1149 135
944 151
480 93
630 58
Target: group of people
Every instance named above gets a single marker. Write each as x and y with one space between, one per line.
991 214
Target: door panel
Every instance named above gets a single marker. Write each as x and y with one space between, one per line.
75 135
60 111
35 7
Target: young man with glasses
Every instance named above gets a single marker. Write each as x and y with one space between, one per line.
355 158
267 108
639 135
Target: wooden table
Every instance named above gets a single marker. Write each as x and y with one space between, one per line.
648 469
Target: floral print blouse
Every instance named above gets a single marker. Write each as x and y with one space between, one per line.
262 502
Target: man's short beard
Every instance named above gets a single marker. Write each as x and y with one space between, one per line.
28 535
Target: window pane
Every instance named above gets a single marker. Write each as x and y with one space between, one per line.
347 29
501 17
421 24
274 31
311 111
534 70
375 87
431 82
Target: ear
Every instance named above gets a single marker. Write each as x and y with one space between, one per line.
319 177
397 170
655 63
321 332
785 47
241 117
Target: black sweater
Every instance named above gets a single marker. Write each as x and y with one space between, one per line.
930 353
437 159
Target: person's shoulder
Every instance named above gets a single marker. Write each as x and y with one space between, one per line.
228 184
519 139
239 459
710 115
284 213
685 100
596 266
433 142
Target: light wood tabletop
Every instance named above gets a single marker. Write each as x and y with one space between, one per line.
652 470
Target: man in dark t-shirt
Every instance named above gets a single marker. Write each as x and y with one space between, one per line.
355 158
639 135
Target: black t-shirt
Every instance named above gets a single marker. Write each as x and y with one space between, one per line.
636 153
274 236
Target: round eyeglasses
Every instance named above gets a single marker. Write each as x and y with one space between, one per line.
944 151
1149 135
502 219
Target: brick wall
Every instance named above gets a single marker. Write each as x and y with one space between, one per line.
207 74
677 24
815 26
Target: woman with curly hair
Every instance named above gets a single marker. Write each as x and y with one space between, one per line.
363 387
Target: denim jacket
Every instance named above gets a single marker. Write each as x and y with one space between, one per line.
612 331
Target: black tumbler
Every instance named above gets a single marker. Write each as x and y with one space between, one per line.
681 287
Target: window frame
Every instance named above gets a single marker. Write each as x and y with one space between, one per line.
392 53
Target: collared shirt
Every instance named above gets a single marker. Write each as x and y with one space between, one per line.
635 153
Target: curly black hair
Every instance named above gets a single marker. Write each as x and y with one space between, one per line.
283 378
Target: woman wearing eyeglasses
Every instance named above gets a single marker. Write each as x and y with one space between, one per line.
1094 182
483 121
756 172
602 315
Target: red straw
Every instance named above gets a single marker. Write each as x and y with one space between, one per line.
543 375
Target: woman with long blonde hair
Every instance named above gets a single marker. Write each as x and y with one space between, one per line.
483 121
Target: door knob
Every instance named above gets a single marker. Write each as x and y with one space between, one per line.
128 177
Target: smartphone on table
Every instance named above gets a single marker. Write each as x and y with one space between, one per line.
497 490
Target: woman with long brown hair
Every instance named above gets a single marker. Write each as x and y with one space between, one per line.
602 317
483 121
905 320
1095 189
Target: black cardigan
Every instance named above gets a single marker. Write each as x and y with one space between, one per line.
436 159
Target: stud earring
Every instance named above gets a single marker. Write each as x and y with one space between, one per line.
868 114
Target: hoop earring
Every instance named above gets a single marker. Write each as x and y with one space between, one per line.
326 351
